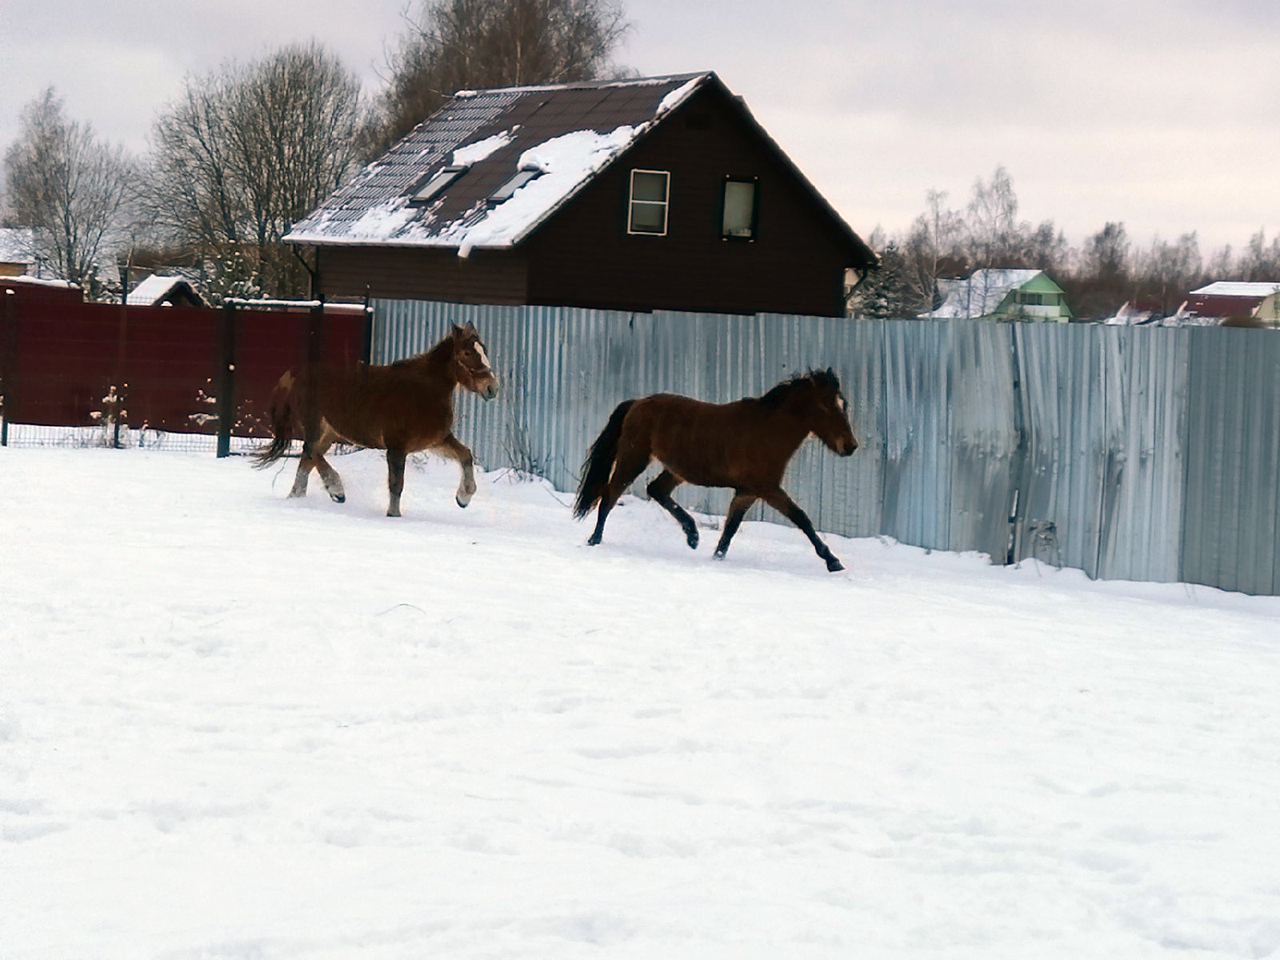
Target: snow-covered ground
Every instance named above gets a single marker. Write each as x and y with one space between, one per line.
234 725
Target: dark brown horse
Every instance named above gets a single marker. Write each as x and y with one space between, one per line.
402 408
744 445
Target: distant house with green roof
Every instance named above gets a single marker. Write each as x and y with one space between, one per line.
1002 295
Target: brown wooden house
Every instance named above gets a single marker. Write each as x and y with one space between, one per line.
658 193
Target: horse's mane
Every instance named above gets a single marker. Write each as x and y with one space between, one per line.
822 379
442 352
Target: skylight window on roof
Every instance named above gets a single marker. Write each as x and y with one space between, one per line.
508 189
436 184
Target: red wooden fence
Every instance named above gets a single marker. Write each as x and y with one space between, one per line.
175 369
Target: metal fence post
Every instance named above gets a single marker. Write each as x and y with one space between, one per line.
8 364
227 380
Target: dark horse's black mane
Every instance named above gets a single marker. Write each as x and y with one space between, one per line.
823 379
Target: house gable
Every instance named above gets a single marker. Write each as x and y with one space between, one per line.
588 254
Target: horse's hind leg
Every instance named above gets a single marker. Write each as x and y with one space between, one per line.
738 508
629 465
660 489
395 480
455 450
779 500
305 464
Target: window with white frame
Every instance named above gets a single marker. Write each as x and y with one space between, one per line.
647 211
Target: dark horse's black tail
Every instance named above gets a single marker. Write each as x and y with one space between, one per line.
599 463
281 421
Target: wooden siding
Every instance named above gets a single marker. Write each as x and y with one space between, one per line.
585 257
407 273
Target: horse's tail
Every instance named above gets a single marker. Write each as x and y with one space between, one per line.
281 418
599 462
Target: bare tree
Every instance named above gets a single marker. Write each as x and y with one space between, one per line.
995 237
70 187
477 44
1169 270
1106 254
933 248
1260 261
244 153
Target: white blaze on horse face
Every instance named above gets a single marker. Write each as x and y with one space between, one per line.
840 404
484 358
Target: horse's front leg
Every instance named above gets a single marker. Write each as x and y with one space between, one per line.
395 480
660 490
779 500
454 449
332 482
738 508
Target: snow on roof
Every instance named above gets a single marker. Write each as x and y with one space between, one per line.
39 282
978 295
155 289
493 134
566 163
1238 288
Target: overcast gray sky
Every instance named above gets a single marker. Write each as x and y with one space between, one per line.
1161 114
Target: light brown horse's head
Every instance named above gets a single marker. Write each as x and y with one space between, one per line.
828 412
471 363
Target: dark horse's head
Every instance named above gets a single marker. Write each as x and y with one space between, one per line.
471 363
828 411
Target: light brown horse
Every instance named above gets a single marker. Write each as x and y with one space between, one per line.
402 408
744 445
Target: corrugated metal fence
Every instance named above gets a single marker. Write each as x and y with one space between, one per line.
1130 453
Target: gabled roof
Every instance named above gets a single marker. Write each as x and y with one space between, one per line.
156 290
563 135
566 132
980 294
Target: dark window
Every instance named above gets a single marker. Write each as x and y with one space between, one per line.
738 219
647 211
436 184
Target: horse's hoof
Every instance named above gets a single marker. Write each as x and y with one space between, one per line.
834 565
593 540
718 555
338 497
462 503
693 540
